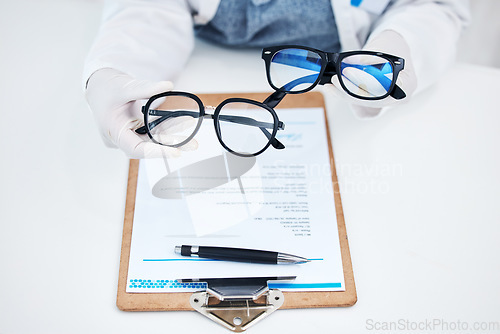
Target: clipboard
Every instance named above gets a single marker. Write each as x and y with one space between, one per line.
184 300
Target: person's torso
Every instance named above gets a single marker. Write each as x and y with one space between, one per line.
258 23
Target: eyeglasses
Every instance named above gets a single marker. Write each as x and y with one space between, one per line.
243 127
365 75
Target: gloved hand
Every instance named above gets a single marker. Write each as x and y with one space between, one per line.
113 98
388 41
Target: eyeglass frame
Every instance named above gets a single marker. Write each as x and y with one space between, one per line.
330 66
272 140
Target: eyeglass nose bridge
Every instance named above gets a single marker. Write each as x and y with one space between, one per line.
332 57
330 69
209 108
329 72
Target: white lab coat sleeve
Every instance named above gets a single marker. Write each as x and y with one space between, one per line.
431 29
147 39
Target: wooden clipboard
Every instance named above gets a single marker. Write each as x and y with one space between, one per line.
180 301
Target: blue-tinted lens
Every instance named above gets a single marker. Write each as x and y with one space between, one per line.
295 70
367 75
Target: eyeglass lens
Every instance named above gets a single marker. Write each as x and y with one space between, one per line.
174 120
366 75
294 70
245 128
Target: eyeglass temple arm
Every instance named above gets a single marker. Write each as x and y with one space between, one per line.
164 116
275 142
228 118
272 101
262 126
398 93
275 98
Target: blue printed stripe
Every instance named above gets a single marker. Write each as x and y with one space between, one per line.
164 284
304 285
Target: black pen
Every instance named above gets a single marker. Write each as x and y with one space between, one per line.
239 254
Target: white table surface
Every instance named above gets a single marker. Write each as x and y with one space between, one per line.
420 190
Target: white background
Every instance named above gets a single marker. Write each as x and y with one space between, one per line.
420 188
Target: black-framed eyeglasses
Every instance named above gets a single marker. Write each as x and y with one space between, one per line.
243 127
366 75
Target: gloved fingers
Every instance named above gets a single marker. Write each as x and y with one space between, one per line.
143 89
189 146
359 111
115 99
361 83
107 140
184 125
137 148
130 115
407 81
170 140
157 103
364 84
134 106
336 89
108 89
152 151
364 112
389 41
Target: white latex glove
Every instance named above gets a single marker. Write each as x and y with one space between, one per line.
114 97
388 41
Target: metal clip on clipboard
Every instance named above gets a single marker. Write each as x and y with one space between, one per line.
237 303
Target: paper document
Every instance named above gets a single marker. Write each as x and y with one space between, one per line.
281 200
